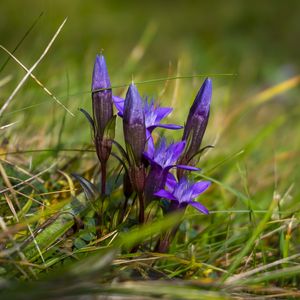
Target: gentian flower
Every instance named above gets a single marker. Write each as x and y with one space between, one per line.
183 194
102 108
161 160
135 139
134 123
197 121
103 121
154 114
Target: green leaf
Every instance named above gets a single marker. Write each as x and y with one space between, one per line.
109 131
89 118
89 188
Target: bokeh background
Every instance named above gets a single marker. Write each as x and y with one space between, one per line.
258 41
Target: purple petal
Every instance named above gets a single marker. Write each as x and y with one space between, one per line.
148 157
200 187
177 149
189 168
100 79
152 161
165 194
198 117
162 112
168 126
202 101
119 104
171 182
150 143
199 207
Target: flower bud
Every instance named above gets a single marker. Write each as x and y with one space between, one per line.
134 124
102 107
197 120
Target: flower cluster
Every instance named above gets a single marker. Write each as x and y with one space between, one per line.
149 164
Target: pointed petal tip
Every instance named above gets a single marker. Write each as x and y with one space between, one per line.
208 81
200 207
165 194
188 168
100 57
207 86
202 101
100 79
132 91
133 98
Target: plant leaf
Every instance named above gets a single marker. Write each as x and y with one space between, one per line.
122 151
89 118
109 131
89 188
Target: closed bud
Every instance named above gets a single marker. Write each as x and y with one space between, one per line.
197 120
134 124
102 107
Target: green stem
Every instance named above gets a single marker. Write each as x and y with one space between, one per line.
103 178
142 209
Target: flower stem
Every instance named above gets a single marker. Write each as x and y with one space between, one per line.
142 208
103 178
165 241
122 215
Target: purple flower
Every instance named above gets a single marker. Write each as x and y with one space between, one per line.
197 120
161 160
134 124
165 156
102 107
184 192
100 79
119 104
153 116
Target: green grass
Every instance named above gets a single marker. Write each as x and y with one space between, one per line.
247 247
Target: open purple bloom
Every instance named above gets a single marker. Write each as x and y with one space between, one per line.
161 160
165 156
184 192
153 116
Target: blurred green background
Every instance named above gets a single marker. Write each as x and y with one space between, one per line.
258 41
254 39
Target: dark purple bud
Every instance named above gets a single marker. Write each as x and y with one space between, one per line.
102 108
102 99
134 124
197 120
100 74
